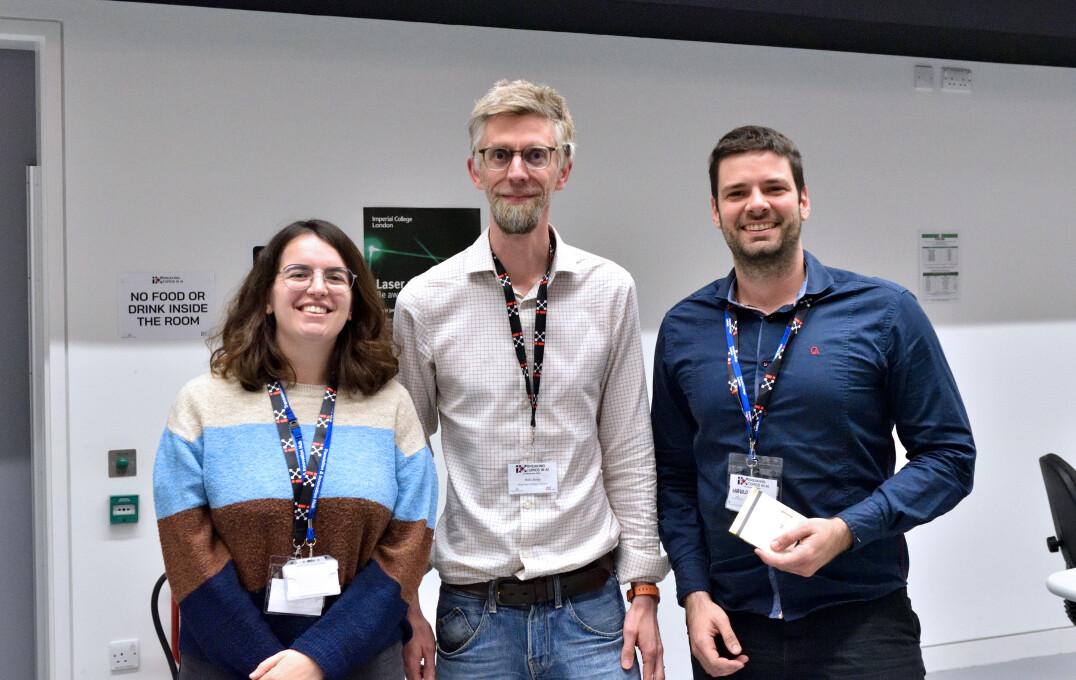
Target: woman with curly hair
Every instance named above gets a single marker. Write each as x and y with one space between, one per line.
294 490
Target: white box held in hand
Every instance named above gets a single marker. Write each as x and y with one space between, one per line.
762 519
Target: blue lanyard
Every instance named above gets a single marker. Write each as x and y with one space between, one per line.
753 414
306 483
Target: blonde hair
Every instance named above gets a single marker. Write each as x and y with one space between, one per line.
518 98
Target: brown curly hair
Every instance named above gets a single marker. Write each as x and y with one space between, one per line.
362 360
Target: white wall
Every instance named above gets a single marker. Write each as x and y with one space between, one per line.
191 133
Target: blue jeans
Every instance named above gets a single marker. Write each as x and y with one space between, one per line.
576 638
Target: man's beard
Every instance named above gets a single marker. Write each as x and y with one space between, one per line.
771 260
518 218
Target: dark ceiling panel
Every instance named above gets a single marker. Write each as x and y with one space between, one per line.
1040 32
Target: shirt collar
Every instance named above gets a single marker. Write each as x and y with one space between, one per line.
815 284
479 259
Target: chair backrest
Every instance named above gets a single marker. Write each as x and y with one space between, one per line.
1060 481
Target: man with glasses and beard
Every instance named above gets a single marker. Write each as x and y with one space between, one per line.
788 378
528 352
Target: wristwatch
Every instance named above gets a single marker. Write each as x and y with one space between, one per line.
643 589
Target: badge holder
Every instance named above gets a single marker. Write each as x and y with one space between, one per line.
761 472
298 586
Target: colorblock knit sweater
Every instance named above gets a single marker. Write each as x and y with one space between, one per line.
224 507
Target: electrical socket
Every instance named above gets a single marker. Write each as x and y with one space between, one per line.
956 79
124 654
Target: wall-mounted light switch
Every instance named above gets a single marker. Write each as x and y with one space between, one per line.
924 77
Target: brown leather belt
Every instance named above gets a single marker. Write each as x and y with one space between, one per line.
512 591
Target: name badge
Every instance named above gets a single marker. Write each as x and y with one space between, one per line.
311 577
277 602
764 475
532 478
741 485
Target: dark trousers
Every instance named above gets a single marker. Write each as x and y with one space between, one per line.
875 640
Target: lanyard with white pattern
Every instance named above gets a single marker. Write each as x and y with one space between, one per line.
306 476
516 327
753 414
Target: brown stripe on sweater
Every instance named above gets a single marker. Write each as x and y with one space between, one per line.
193 552
254 531
348 529
395 553
197 543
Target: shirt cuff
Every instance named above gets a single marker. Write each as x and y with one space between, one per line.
866 521
632 565
691 576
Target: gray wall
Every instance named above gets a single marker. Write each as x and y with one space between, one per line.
18 149
190 134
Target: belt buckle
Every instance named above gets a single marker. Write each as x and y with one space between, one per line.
539 590
497 583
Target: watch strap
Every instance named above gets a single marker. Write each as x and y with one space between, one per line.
643 589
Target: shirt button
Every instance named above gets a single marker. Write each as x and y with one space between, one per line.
524 553
527 504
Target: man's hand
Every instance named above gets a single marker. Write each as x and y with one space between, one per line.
705 621
288 665
820 540
641 630
419 653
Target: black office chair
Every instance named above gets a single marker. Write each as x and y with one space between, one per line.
1060 481
170 653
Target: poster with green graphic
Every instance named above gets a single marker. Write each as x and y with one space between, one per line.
401 243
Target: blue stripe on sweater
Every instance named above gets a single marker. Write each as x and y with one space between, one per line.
177 475
418 500
363 621
222 625
362 464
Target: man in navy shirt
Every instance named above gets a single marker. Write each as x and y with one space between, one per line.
789 377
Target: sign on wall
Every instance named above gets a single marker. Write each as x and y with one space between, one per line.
939 267
166 306
401 243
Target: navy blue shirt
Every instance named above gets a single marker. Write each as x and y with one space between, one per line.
866 360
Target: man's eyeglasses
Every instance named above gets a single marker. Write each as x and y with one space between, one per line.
535 157
300 276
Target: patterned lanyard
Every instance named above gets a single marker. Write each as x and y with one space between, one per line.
306 476
517 328
753 414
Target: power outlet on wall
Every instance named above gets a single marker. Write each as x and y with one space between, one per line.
124 654
956 79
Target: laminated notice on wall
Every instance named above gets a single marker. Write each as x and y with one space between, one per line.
939 267
401 243
166 306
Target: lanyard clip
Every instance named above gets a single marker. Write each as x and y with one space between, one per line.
752 459
308 544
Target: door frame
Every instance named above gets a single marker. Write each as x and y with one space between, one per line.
51 543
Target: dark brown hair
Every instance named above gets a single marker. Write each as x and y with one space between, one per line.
362 359
756 138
